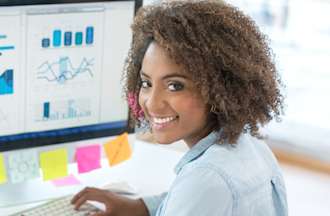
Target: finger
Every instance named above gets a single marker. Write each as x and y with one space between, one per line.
81 193
92 195
80 201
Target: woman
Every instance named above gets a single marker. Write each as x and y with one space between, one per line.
201 71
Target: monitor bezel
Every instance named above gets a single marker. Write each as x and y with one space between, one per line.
37 141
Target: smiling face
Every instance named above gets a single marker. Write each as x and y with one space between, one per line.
171 102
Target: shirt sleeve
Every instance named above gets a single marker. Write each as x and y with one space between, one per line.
199 191
153 202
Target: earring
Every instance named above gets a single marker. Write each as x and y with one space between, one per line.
213 109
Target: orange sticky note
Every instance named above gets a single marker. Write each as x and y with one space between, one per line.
54 164
118 150
3 175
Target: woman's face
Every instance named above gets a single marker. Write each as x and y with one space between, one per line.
171 102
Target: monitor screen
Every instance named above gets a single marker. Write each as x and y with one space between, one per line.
60 70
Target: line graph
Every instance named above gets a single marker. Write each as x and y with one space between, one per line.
63 70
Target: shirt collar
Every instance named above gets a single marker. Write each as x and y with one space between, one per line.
198 149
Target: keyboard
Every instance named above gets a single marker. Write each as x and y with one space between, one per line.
59 207
63 207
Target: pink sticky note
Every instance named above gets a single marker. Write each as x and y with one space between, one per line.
66 181
88 158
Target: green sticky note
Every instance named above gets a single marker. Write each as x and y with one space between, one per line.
23 165
3 175
54 164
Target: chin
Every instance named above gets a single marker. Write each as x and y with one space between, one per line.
164 140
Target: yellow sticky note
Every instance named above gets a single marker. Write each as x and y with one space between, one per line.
3 175
54 164
118 150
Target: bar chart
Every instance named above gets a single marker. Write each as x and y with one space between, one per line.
64 110
62 38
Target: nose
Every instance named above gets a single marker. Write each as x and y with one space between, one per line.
155 101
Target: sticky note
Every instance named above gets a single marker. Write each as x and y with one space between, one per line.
66 181
3 175
118 150
88 158
54 164
23 165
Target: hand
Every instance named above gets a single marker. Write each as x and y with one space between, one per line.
115 204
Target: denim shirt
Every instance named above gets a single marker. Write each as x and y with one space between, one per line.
223 179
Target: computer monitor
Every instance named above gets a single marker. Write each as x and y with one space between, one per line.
61 64
60 70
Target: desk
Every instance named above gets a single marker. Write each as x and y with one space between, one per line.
151 171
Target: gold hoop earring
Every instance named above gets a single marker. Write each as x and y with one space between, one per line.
213 109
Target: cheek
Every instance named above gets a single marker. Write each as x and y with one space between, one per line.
192 109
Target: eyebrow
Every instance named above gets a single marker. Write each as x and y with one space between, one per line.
167 76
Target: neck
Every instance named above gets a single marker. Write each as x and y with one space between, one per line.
192 141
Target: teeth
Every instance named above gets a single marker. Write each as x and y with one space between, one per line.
163 120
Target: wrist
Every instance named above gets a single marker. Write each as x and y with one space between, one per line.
140 208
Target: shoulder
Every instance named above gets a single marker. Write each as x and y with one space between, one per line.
248 163
227 179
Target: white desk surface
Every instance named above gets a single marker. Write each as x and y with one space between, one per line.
150 170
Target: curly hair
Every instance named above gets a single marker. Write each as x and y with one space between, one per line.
225 54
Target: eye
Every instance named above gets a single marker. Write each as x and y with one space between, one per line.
145 84
175 86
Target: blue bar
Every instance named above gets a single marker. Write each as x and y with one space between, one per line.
63 70
7 82
63 65
46 109
3 36
71 113
89 35
7 47
57 38
78 38
45 42
67 38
